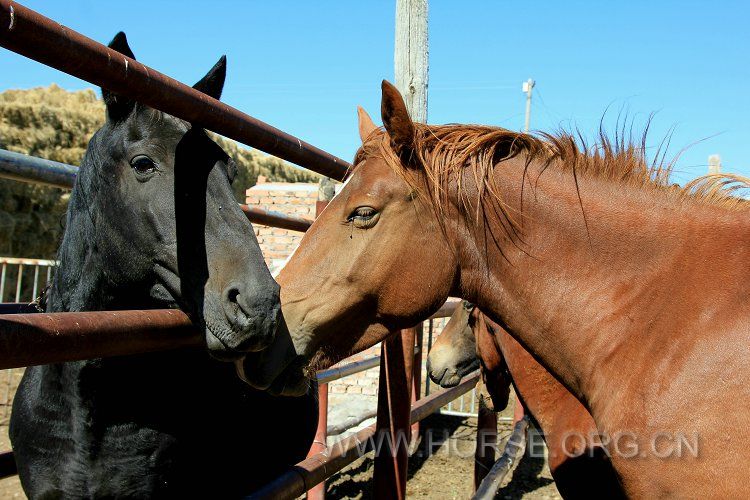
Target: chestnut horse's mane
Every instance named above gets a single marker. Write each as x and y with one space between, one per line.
446 151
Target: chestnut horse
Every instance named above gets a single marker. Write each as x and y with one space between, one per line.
631 291
577 460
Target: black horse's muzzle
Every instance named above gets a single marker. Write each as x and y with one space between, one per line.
248 322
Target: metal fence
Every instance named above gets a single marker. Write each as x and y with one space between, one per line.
21 280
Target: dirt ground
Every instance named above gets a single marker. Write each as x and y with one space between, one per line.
9 487
445 473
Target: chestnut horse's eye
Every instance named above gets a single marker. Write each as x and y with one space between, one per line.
363 217
143 165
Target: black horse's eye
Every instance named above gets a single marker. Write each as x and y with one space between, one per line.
363 217
142 164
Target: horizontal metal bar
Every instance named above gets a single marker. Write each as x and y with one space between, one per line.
430 404
349 369
276 219
39 38
27 262
20 167
17 308
446 310
43 338
452 413
7 464
317 468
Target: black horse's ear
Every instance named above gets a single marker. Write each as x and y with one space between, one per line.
118 107
213 83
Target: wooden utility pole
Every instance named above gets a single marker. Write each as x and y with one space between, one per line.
397 364
412 56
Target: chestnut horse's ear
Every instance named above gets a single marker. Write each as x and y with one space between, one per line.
213 83
396 119
366 125
118 107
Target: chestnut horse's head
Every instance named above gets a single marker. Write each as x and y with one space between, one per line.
467 342
366 267
454 353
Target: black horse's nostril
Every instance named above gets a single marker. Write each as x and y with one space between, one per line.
232 295
253 314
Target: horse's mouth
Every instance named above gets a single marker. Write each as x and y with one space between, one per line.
291 382
218 350
447 378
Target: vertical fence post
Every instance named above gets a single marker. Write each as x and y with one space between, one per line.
2 281
19 280
326 191
416 384
397 360
394 409
430 327
36 283
484 455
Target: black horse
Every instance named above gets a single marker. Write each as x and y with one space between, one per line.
152 223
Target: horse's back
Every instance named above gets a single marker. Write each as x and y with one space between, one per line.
159 425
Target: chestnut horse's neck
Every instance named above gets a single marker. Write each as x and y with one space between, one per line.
593 296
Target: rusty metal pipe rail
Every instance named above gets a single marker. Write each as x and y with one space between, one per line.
317 468
26 168
30 34
43 338
276 219
342 371
446 310
29 338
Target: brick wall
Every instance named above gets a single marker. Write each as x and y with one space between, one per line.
296 198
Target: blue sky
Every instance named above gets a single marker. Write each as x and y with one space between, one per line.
303 66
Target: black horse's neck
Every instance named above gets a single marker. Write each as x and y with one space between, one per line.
79 274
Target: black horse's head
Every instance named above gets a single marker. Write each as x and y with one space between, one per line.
153 223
